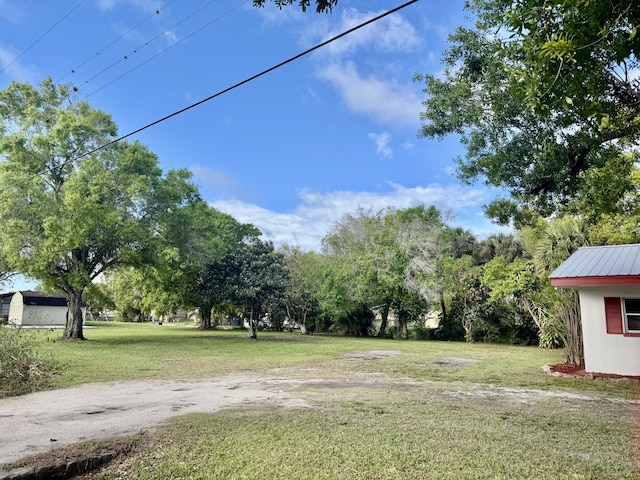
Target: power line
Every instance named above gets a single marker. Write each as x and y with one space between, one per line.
154 38
211 97
134 51
42 36
156 12
168 48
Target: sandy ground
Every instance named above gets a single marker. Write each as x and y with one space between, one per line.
35 423
39 422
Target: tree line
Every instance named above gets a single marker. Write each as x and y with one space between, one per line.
394 273
546 101
111 228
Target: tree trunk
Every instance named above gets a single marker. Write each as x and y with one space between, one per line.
253 326
205 316
385 320
443 306
367 321
303 324
73 327
403 329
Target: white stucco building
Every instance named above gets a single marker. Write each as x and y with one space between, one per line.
608 283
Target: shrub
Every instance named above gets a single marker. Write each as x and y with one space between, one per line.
22 370
552 333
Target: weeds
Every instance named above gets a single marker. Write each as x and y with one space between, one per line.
22 368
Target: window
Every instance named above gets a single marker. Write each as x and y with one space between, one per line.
632 314
622 316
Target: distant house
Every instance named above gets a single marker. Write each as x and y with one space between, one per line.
30 308
608 283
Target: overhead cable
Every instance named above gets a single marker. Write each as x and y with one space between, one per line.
137 49
42 36
211 97
161 52
146 19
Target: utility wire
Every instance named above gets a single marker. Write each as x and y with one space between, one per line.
168 48
156 12
126 56
42 36
211 97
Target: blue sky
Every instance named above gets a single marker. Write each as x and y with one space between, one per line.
289 152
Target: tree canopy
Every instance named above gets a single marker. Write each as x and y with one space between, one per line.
251 275
71 210
541 93
386 260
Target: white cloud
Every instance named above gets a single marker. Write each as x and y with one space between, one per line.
170 38
313 217
382 141
221 183
385 101
390 34
12 12
14 69
366 66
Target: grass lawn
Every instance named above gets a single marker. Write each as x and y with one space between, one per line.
376 409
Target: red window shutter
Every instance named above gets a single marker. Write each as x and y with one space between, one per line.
613 314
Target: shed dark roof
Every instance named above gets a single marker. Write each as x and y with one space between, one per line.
613 264
32 297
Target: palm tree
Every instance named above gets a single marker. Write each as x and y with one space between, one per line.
463 242
550 245
498 244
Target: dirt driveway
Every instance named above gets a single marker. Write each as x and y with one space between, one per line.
39 422
35 423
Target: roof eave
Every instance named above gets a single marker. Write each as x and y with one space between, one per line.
594 281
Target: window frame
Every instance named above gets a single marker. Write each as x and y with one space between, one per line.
626 314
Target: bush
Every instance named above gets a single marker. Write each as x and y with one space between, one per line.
552 334
21 369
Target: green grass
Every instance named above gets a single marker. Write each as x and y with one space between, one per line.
124 351
419 419
390 435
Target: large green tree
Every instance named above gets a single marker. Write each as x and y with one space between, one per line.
194 236
261 281
388 261
300 303
250 275
72 209
353 285
541 93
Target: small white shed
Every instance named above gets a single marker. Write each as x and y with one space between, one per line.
30 308
608 283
